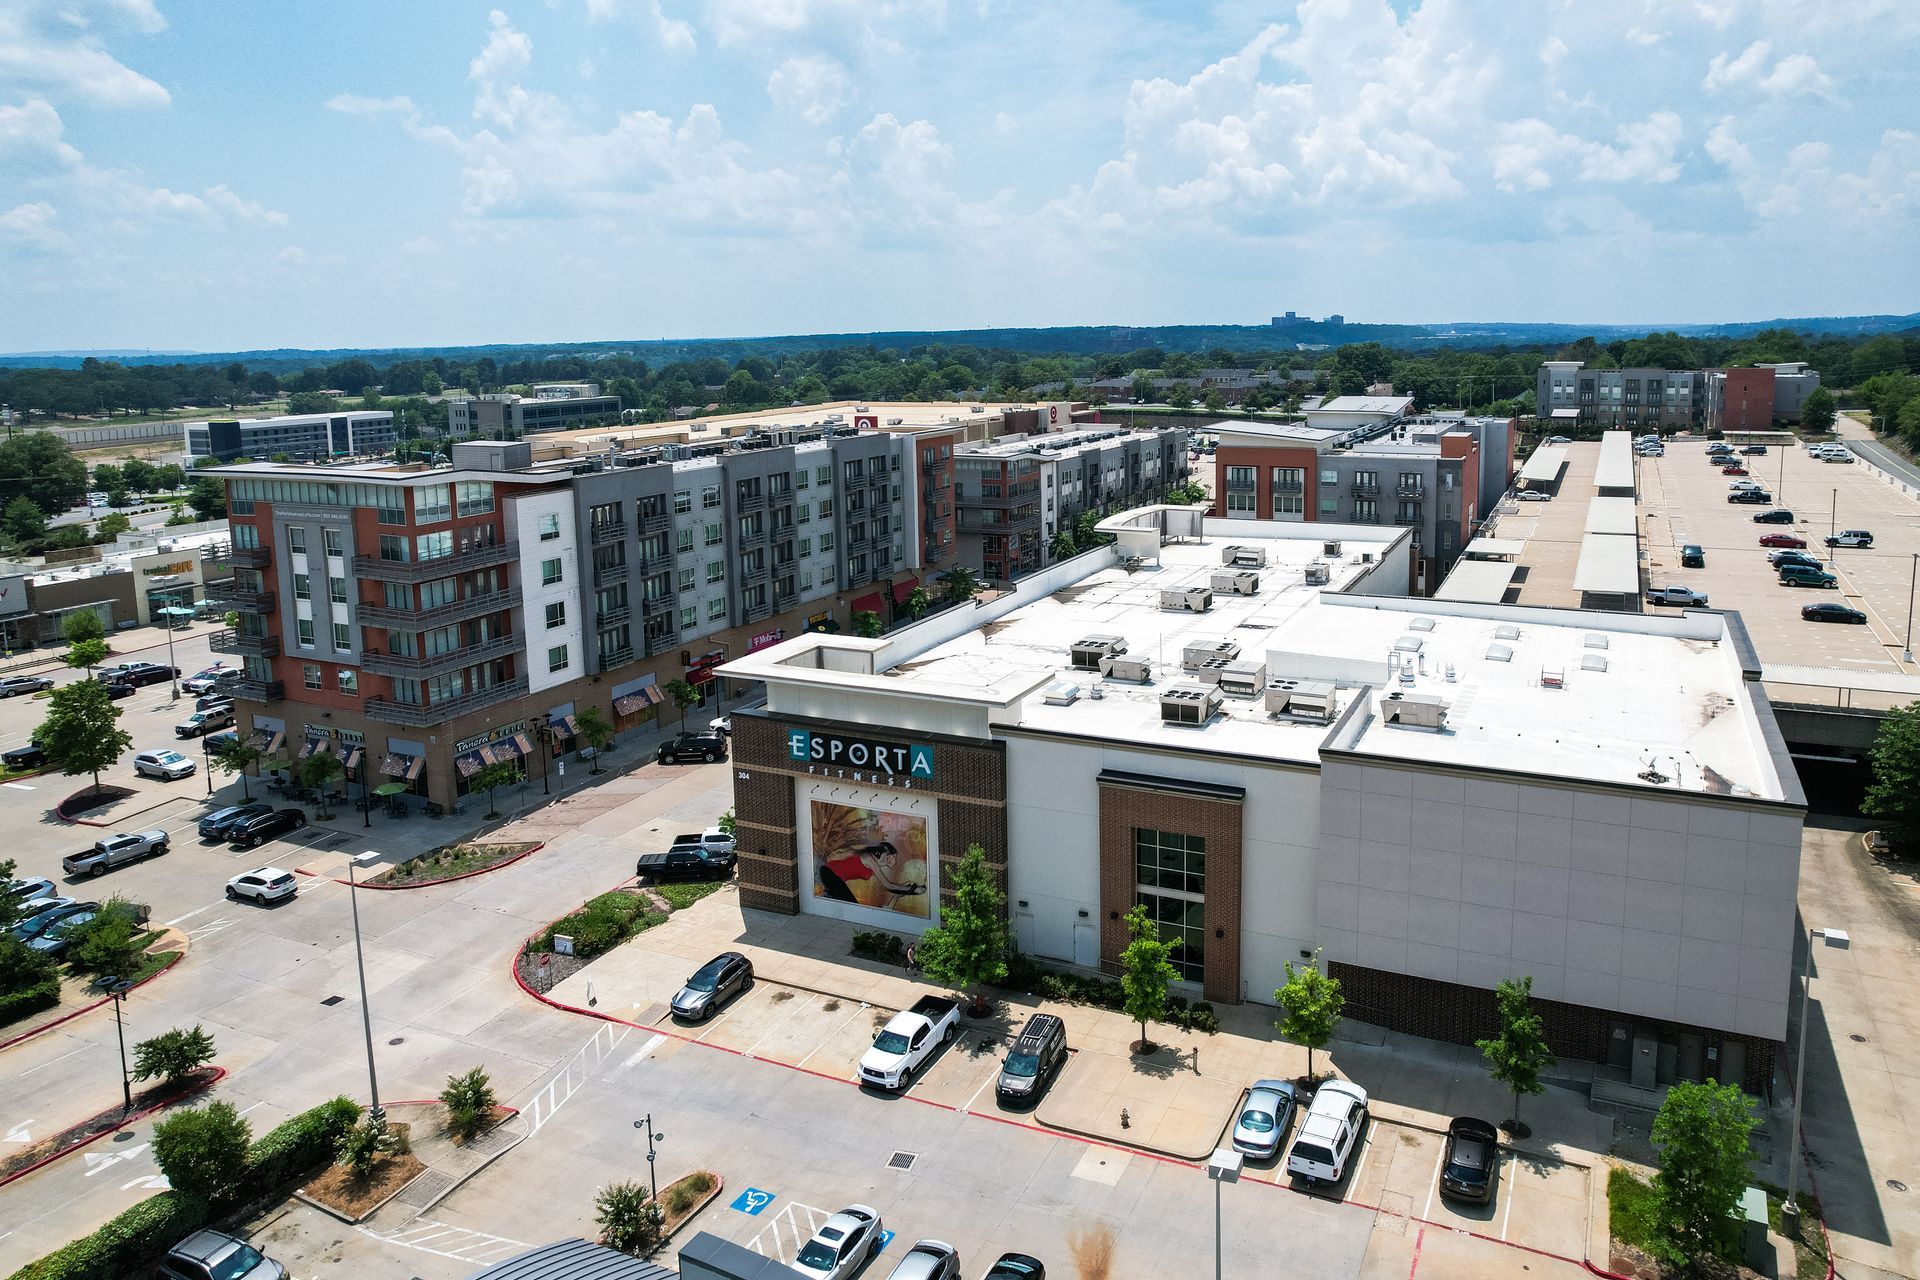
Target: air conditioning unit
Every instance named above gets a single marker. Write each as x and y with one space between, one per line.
1189 704
1062 693
1302 700
1202 651
1318 574
1122 667
1331 547
1414 710
1087 652
1240 557
1208 670
1237 582
1244 679
1187 599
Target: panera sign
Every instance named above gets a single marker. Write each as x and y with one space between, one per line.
832 753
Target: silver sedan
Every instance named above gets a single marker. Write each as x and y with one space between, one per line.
1262 1124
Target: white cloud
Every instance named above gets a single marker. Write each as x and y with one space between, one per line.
1527 154
737 21
1795 74
1645 152
54 47
32 226
35 126
1642 36
354 104
1884 193
1554 51
223 199
1522 154
813 88
675 34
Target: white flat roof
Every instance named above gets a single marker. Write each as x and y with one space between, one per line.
1483 581
1615 469
1544 466
1842 678
1275 431
1496 547
1609 565
1365 404
1611 515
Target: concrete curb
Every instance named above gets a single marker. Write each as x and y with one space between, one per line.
60 812
64 1018
464 875
219 1074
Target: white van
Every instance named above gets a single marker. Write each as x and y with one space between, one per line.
1329 1132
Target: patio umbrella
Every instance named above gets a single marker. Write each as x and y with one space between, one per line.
390 789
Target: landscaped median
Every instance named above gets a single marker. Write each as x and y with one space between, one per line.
33 991
452 862
596 927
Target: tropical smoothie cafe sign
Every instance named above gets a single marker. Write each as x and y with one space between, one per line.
860 759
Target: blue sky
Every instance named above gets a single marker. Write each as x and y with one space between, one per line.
229 175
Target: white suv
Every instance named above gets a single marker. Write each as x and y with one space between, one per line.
1329 1132
168 766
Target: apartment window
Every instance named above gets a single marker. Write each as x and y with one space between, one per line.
311 676
302 587
297 541
1446 480
682 501
826 575
246 535
806 546
393 548
800 478
826 508
396 595
1240 477
689 618
1409 513
342 637
686 577
557 658
716 608
1329 506
476 497
337 590
683 540
432 503
604 515
1289 504
716 570
715 532
1170 880
826 542
804 512
549 527
824 475
349 680
710 496
557 614
550 572
333 541
391 515
441 591
1329 476
432 546
1366 511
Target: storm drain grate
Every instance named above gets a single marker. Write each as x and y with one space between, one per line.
1857 1038
330 1001
901 1160
422 1190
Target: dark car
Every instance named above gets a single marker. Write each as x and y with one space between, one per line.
118 689
1794 555
1779 515
1693 556
1800 575
683 864
1754 450
141 673
693 746
221 822
1472 1162
712 985
1759 497
35 925
31 756
1037 1053
1833 613
1016 1266
265 826
58 936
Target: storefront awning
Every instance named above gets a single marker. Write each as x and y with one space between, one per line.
901 590
564 727
350 759
316 746
404 767
469 763
872 602
632 704
269 741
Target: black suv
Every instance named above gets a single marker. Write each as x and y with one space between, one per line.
31 756
219 824
683 864
693 746
265 826
1035 1056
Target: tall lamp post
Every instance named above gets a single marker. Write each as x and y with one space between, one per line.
1913 579
1833 526
117 989
206 756
1223 1168
366 787
543 734
360 962
170 613
653 1136
1837 938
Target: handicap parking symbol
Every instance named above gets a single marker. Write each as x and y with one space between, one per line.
886 1238
752 1201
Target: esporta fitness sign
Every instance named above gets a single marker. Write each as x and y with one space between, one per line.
832 751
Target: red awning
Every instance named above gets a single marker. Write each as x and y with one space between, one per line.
872 603
901 590
703 676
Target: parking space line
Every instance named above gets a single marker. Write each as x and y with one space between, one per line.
1433 1185
1366 1147
778 1023
968 1107
831 1034
1506 1215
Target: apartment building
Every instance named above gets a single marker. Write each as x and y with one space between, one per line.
1567 391
513 417
441 617
305 436
1754 399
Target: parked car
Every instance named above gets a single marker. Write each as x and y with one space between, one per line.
1782 540
1794 555
118 689
58 936
1016 1266
1753 450
722 725
1733 469
216 824
14 686
141 673
1836 453
1756 496
24 892
201 723
842 1245
1329 1132
168 766
1833 613
683 864
114 851
928 1260
31 756
1851 538
1800 575
1262 1125
209 1255
1779 515
910 1038
693 746
213 702
1038 1051
1471 1164
713 841
48 916
1677 596
1559 439
1533 495
263 884
714 983
217 676
1693 556
265 826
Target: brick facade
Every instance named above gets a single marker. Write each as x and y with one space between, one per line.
1123 809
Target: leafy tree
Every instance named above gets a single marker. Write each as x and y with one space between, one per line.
469 1100
501 773
1187 492
1519 1053
1180 395
867 624
960 583
114 524
685 698
1145 973
107 477
203 1150
44 470
728 825
629 1220
10 903
81 733
208 498
24 521
596 729
431 384
362 1146
1213 401
1063 547
233 754
917 603
1894 796
21 967
318 771
173 1055
66 538
119 498
1313 1006
85 655
111 944
968 948
1701 1133
1817 413
309 402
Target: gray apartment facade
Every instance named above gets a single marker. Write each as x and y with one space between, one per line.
1621 399
304 436
512 417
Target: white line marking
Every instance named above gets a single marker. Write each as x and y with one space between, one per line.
782 1022
635 1058
481 1241
43 1066
1426 1214
1361 1164
1507 1216
991 1076
190 915
255 1107
831 1034
18 786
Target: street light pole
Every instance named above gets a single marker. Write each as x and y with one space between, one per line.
1223 1168
206 757
544 728
653 1136
1833 527
116 989
360 962
366 792
1838 938
1913 579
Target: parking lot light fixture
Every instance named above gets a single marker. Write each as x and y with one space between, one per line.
653 1136
1913 579
1224 1167
116 989
360 962
1839 940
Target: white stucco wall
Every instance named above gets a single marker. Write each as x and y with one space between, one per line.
525 517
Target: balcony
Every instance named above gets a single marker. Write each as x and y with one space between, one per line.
657 606
612 531
930 464
1285 486
1411 492
248 689
613 617
655 521
397 664
390 712
1366 486
757 533
1245 485
857 577
606 575
228 595
745 503
481 557
616 657
380 615
755 570
1408 519
1015 522
1012 496
227 640
242 557
932 552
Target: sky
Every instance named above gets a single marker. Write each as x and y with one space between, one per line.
212 175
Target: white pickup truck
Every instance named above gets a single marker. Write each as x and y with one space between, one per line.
907 1041
114 850
1677 595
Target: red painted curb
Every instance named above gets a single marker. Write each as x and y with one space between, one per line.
464 875
220 1073
69 1017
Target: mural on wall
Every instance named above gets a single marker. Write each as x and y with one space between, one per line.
870 857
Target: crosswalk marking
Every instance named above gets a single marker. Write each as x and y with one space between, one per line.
461 1243
564 1083
792 1227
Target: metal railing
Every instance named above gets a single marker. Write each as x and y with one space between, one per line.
388 711
605 575
242 557
611 531
381 615
401 664
227 640
259 690
616 658
480 557
609 617
243 599
659 523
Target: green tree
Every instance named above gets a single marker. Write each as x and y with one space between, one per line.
1701 1133
10 903
1817 413
728 824
362 1146
233 754
431 384
1145 974
81 733
1188 491
1894 795
501 773
685 698
111 944
114 524
968 948
917 603
318 771
310 402
208 498
629 1220
469 1100
24 521
868 624
1312 1004
1519 1053
596 729
960 583
85 655
41 468
173 1055
203 1151
1213 401
1063 547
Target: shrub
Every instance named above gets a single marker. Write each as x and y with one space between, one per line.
308 1139
203 1150
682 896
172 1056
602 924
27 1001
111 943
469 1100
880 945
629 1221
362 1145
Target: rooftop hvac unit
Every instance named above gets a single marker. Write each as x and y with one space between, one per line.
1187 599
1086 653
1414 710
1237 582
1302 700
1241 557
1127 667
1062 693
1188 704
1244 679
1318 574
1331 547
1200 651
1208 671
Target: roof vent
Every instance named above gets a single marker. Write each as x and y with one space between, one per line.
1242 557
1187 599
1086 653
1062 693
1506 632
1499 653
1331 547
1121 667
1189 704
1201 651
1318 574
1597 641
1593 662
1237 582
1302 700
1420 624
1414 710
